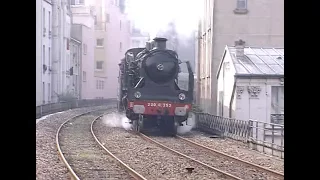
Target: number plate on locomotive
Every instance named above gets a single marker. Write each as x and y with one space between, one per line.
159 105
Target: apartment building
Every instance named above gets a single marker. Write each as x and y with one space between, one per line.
83 32
43 51
118 41
258 23
60 53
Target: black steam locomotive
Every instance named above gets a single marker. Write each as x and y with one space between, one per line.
148 88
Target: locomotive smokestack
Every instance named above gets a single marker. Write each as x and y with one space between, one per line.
160 43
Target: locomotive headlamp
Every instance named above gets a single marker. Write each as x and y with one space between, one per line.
137 94
182 96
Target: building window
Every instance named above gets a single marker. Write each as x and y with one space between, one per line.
100 42
77 2
49 98
49 17
49 57
43 58
241 7
120 25
99 65
99 84
44 17
107 18
241 4
120 48
277 104
95 20
68 44
43 93
84 49
84 76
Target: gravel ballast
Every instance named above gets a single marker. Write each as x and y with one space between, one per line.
48 164
147 158
233 167
87 159
237 149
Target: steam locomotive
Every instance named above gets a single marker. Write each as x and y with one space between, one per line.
148 88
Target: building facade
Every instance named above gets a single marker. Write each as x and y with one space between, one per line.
251 84
118 42
75 64
60 63
100 54
43 51
38 53
258 23
83 31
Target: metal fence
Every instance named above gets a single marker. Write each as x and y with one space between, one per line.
50 108
267 137
261 136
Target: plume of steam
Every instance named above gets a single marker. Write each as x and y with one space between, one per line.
187 127
121 121
117 120
153 16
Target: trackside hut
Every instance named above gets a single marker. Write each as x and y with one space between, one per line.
251 83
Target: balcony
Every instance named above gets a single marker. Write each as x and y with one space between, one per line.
83 10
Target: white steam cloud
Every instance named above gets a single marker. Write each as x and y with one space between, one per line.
154 15
121 121
117 120
187 125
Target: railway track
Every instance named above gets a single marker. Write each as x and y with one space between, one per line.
86 157
275 173
78 149
150 160
214 160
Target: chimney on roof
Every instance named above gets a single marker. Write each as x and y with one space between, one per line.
239 45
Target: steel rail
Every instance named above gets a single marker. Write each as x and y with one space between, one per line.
60 153
132 172
188 157
231 157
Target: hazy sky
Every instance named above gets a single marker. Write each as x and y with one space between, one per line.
154 15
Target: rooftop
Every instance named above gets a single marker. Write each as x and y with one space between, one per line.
258 61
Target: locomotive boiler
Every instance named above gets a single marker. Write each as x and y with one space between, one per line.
149 93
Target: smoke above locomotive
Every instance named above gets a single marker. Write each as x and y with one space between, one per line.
149 91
